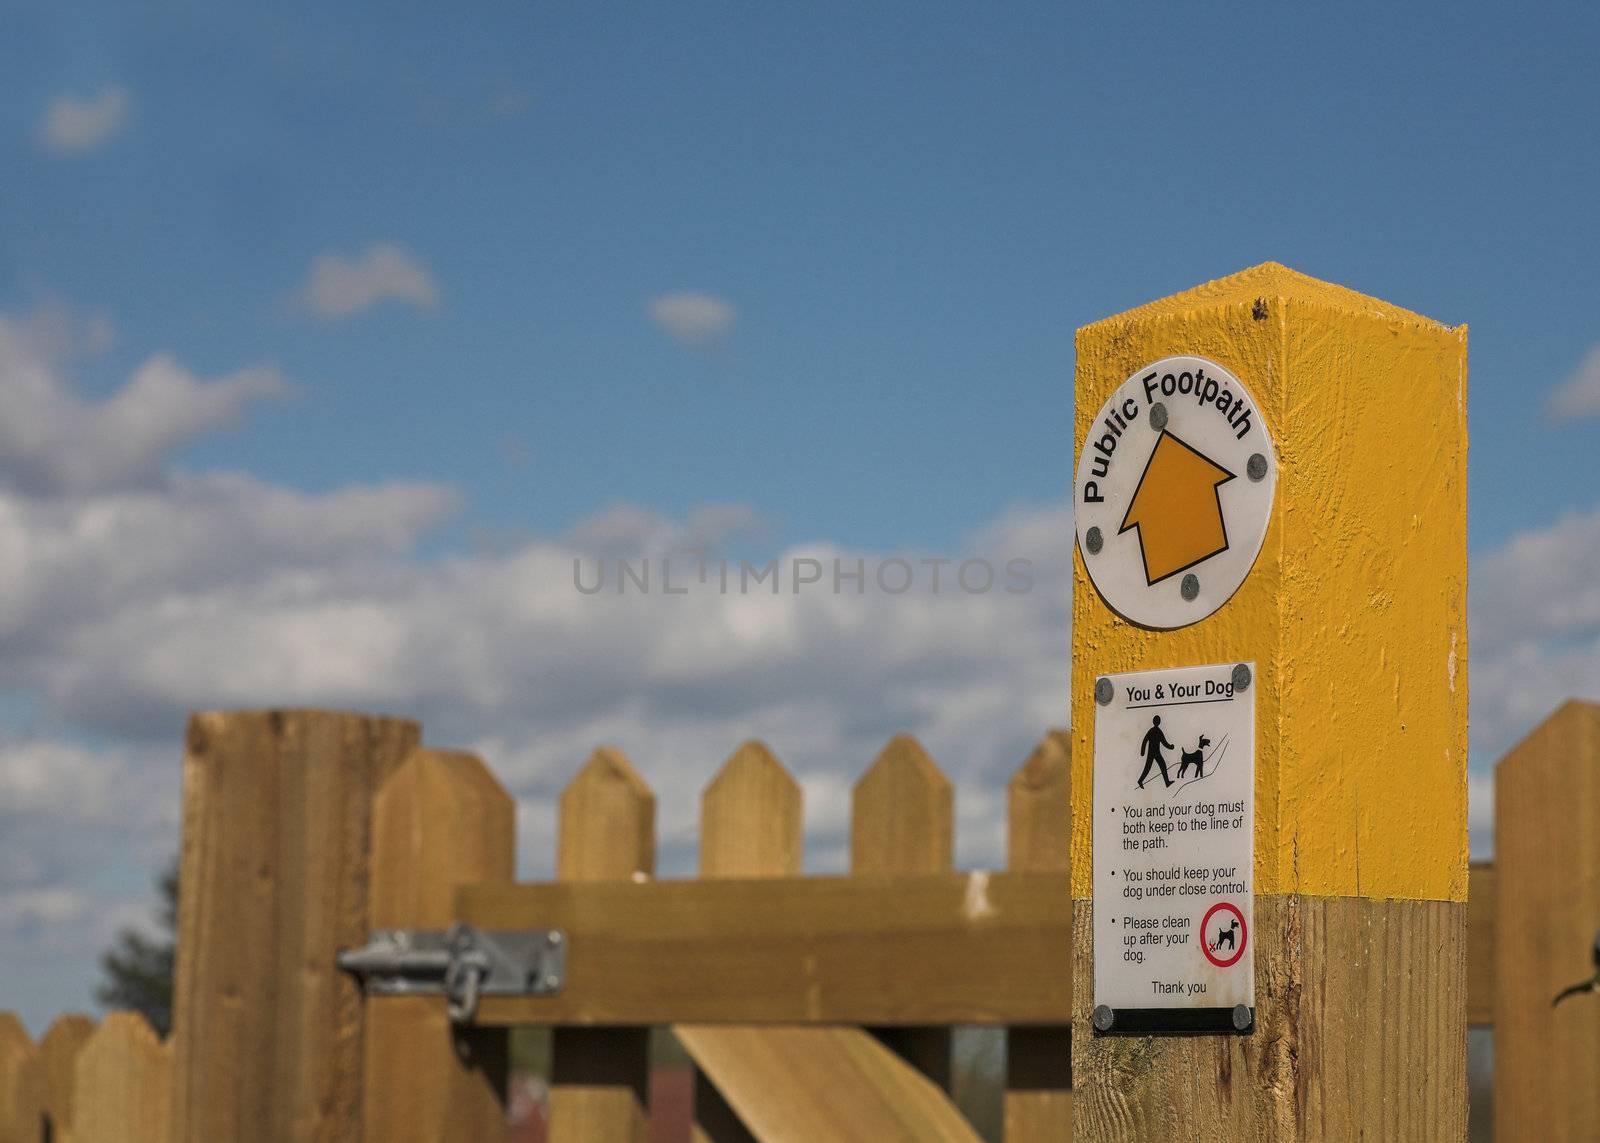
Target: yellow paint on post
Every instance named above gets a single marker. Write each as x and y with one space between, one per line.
1355 612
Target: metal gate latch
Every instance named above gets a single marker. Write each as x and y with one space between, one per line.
461 962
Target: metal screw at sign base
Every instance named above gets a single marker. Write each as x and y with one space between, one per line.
1241 678
1093 541
1243 1018
1158 416
1190 587
1256 467
1104 1018
1103 692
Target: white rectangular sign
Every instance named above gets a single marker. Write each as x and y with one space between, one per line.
1174 827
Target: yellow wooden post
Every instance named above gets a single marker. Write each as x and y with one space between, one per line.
1355 616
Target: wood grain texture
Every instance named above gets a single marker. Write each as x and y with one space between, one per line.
799 1085
608 822
46 1085
600 1077
1480 943
750 818
16 1048
854 950
440 822
277 821
1039 805
750 826
1038 1096
124 1084
1360 1035
1547 906
902 817
902 820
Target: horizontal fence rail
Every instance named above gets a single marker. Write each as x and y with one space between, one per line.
952 948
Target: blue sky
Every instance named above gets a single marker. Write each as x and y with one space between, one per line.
879 229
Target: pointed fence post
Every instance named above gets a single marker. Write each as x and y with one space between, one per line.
47 1082
277 824
1354 613
16 1048
750 818
124 1084
1038 1099
440 822
601 1076
1547 908
750 826
903 821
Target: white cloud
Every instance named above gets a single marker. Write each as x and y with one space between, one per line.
74 126
1578 396
510 101
60 334
693 318
53 440
340 287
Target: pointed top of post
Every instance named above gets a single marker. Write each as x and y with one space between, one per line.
607 822
903 818
1039 833
67 1031
1259 287
125 1025
1574 718
13 1032
609 766
750 817
428 773
441 820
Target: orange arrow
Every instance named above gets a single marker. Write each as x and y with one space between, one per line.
1177 509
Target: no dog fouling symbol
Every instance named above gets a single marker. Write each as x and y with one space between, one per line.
1223 934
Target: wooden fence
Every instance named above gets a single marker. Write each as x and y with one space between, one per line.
812 1007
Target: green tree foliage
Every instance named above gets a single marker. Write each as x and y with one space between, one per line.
138 968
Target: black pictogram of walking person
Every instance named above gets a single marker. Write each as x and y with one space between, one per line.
1154 740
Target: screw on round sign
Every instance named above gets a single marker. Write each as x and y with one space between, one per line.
1223 931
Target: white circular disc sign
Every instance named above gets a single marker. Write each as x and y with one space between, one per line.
1174 491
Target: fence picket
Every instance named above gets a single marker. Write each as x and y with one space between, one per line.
750 826
441 821
600 1076
1038 1099
46 1085
1547 899
123 1085
750 818
903 821
16 1046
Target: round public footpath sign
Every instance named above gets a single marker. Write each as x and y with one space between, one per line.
1174 492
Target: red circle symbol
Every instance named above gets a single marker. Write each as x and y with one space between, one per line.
1235 935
